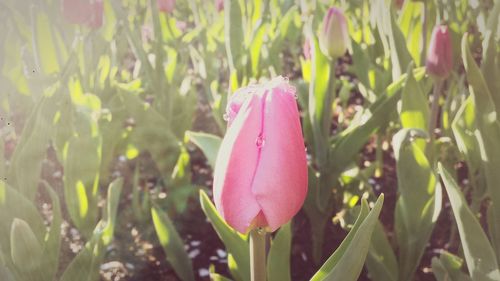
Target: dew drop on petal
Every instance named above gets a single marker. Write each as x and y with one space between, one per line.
225 117
260 141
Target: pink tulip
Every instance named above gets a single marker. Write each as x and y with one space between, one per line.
83 12
260 177
166 6
306 49
219 5
334 36
439 56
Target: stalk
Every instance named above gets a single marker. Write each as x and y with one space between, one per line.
258 270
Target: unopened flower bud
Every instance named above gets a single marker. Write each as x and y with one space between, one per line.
439 56
334 36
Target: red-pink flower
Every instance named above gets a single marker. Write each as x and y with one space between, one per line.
219 5
260 177
83 12
306 49
166 6
439 56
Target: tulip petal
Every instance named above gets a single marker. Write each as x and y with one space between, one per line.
235 167
280 182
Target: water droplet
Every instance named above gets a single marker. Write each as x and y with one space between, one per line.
261 231
260 141
225 117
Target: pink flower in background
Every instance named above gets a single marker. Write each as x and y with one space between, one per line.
334 36
83 12
166 6
439 55
306 49
260 177
219 5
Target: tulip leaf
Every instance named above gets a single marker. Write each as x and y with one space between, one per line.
5 274
14 205
278 263
479 255
419 202
235 243
216 277
233 31
491 71
381 261
45 43
347 261
52 245
448 267
487 136
114 191
414 107
26 162
351 140
208 143
81 175
85 266
172 243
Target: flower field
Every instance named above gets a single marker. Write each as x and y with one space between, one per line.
249 140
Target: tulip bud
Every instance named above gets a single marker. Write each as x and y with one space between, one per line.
399 4
83 12
219 5
439 56
306 49
26 251
334 36
166 6
260 176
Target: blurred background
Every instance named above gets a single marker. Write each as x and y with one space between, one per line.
112 112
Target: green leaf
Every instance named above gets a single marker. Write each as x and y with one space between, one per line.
419 202
44 42
233 31
216 277
487 136
172 244
278 263
320 100
352 139
381 261
448 268
114 191
235 243
85 266
347 261
414 106
81 176
491 55
479 254
208 143
14 205
26 161
52 245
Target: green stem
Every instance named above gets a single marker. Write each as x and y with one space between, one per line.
430 149
434 109
258 254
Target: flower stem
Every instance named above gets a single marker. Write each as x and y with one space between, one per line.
434 109
258 254
430 150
